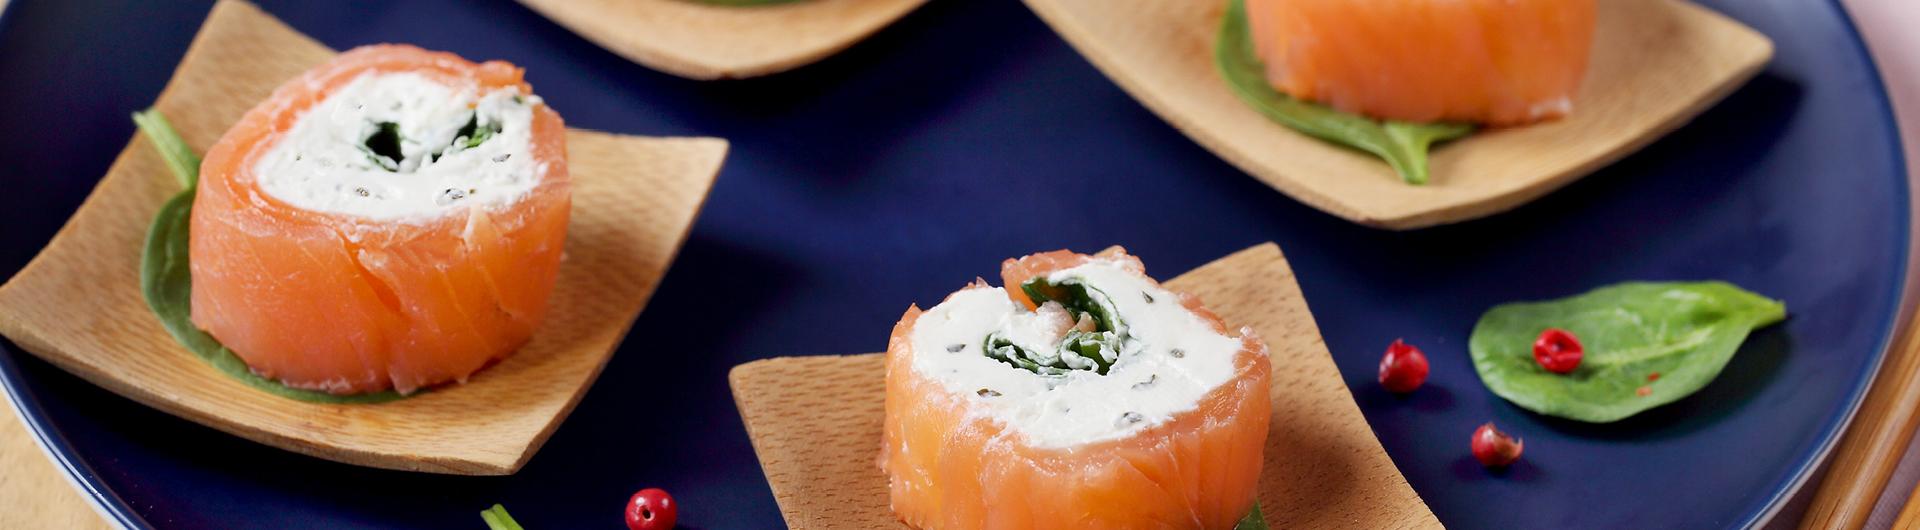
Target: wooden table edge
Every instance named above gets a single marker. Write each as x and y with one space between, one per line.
70 507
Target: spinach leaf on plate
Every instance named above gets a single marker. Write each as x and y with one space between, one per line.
1670 338
184 163
497 518
1402 144
1253 521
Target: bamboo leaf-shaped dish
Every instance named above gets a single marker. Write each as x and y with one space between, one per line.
815 421
79 303
724 39
1656 64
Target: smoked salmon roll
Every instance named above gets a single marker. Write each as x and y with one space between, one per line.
392 219
1498 62
1082 395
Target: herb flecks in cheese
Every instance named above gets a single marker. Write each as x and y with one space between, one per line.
404 147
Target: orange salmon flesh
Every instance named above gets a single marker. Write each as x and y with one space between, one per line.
334 302
951 468
1498 62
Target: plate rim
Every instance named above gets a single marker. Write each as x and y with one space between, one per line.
53 443
108 503
47 436
1897 320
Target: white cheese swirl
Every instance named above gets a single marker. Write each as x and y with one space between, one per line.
323 163
1178 359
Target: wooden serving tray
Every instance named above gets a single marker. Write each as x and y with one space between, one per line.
706 41
815 421
1656 64
78 304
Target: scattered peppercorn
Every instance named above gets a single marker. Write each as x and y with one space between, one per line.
1147 383
652 509
1494 448
1557 351
1404 368
449 195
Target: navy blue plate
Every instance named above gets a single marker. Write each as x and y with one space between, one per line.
968 133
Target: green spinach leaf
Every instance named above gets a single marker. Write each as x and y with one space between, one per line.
999 347
1078 298
1100 346
185 164
383 147
1402 144
167 281
474 133
497 518
1253 521
1670 338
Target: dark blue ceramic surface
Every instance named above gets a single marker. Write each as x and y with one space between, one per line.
967 133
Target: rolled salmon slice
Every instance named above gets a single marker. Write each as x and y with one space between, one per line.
392 219
1500 62
1083 395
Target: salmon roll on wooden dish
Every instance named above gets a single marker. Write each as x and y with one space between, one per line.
1083 395
1498 62
392 219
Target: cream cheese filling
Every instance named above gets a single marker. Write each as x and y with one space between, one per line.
400 147
1173 360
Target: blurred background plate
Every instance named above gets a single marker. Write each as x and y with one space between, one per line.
708 39
969 132
1655 65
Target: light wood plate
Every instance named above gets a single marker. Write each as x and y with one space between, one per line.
705 41
815 421
78 303
1656 64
